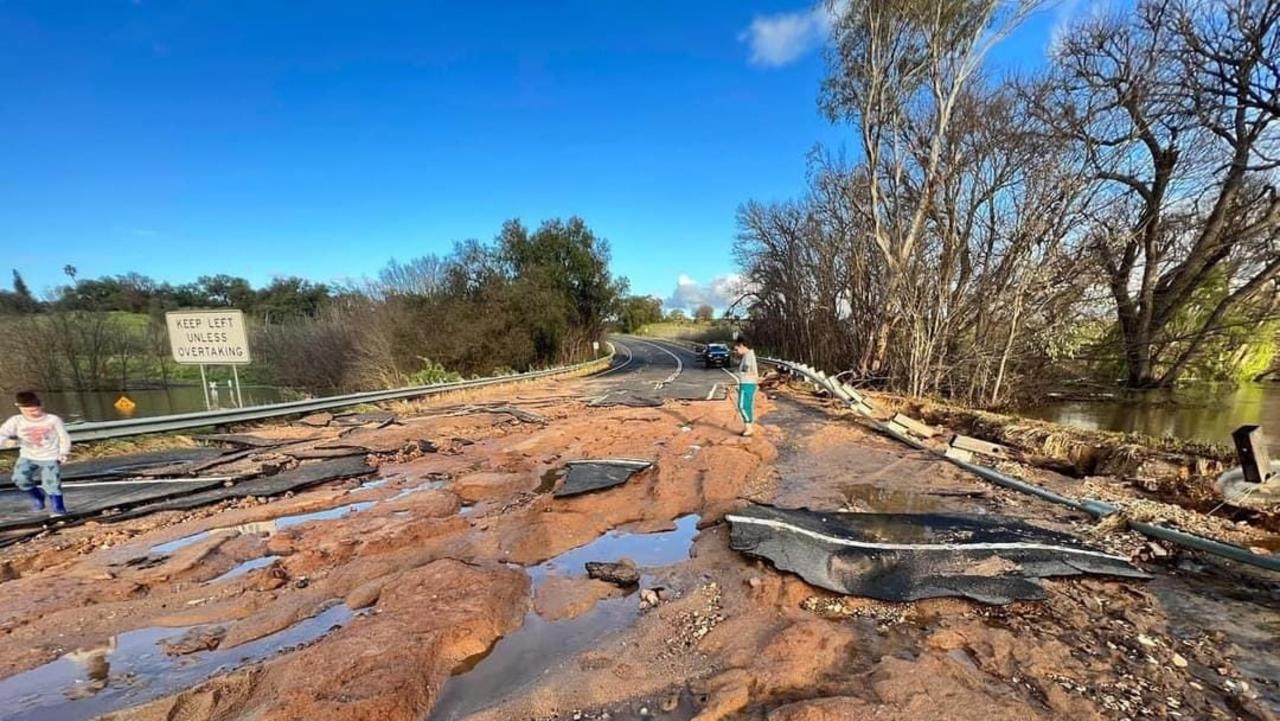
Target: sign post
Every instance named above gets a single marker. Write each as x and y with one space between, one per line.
204 384
209 337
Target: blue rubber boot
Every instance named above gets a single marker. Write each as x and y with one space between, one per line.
37 498
58 508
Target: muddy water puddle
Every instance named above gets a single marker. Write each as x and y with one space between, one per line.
534 652
868 497
277 524
247 566
267 527
428 486
549 479
645 549
133 668
540 647
1246 609
819 467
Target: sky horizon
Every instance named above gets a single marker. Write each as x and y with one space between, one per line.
198 138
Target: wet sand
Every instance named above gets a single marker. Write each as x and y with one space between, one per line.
452 587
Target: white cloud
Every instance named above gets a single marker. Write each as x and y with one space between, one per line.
776 40
719 293
1069 14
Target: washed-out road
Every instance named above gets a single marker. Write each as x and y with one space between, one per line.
442 576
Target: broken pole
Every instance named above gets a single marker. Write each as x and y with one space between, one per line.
979 446
1251 449
920 429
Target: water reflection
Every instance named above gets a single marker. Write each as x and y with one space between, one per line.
134 668
99 405
1204 414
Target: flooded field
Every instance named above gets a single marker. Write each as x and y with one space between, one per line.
99 405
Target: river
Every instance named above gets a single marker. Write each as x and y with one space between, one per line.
1208 413
100 405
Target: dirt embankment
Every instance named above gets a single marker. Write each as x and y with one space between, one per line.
1181 473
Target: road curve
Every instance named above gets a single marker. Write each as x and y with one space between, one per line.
648 371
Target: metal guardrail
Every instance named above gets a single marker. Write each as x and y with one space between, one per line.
103 430
1096 508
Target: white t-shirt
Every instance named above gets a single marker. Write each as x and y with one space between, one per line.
45 439
748 371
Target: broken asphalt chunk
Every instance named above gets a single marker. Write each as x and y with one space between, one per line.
133 463
625 398
595 475
317 420
619 574
381 419
910 556
521 415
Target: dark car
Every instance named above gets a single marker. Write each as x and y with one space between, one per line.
716 355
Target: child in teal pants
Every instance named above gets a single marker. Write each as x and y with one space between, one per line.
748 379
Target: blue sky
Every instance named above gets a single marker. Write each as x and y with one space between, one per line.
321 139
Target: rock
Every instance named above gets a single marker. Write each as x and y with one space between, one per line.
317 420
754 582
197 639
648 598
1179 661
6 572
365 595
270 583
421 445
619 574
274 578
824 709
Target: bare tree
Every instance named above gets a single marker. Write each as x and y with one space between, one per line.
1172 111
899 70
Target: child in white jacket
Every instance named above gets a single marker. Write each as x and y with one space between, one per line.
44 445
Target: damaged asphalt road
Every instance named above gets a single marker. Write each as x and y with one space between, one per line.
452 582
907 557
588 476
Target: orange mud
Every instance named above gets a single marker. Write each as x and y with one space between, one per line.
446 579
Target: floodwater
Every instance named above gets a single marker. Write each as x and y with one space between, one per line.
132 668
645 549
1207 414
267 527
247 566
1245 607
868 497
539 646
99 405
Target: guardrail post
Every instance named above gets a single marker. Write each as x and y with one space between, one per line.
1251 449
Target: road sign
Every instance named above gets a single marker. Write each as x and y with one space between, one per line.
208 337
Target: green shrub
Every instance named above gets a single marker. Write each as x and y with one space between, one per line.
433 373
